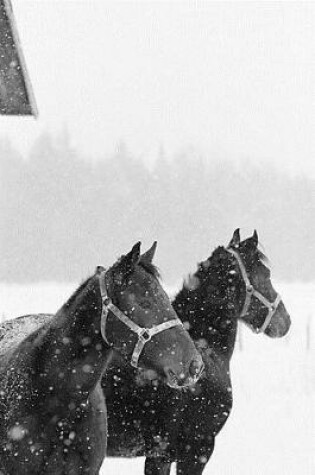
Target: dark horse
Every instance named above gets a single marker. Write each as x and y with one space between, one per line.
52 408
147 417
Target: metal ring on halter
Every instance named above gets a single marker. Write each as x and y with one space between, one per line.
250 292
144 334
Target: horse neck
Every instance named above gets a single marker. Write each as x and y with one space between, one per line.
73 353
211 319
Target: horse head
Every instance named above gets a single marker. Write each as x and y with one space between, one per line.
146 329
261 307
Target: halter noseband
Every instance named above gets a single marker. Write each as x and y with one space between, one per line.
251 292
144 334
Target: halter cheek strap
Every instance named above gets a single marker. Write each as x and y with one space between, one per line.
252 292
144 334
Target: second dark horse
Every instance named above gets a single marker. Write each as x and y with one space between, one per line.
146 417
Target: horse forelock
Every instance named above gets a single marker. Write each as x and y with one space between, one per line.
150 268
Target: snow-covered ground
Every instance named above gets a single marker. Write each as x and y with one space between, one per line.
271 430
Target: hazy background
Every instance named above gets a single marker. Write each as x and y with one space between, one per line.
175 121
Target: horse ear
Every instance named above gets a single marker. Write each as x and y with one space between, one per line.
255 238
235 241
130 260
147 257
99 269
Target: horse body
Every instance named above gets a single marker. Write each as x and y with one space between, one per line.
52 408
149 418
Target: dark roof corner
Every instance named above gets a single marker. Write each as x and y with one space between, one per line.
16 95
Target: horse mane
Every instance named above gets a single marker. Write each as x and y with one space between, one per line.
214 261
216 276
78 291
202 300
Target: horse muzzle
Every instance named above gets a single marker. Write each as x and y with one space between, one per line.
183 380
280 325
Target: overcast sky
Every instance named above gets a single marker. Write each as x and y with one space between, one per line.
230 79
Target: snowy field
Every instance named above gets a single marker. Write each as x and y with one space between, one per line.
271 430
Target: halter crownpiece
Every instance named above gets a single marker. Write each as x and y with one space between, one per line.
250 292
144 334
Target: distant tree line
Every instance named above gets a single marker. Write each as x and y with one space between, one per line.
61 214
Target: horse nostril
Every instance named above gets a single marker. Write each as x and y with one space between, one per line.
196 367
170 374
177 379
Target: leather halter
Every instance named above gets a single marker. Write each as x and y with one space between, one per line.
144 334
252 292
